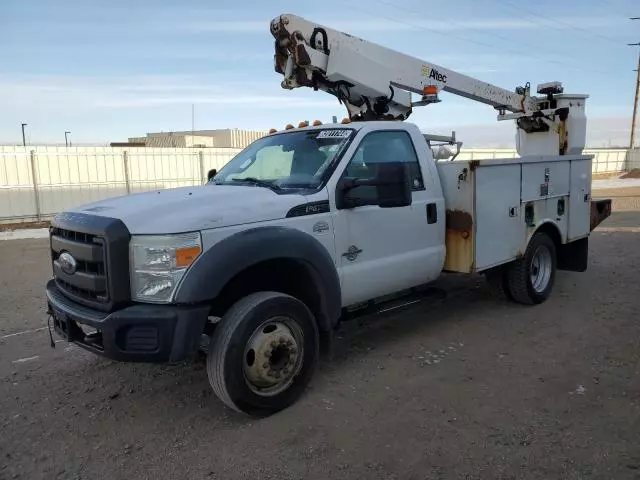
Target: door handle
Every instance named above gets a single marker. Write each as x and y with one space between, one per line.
432 213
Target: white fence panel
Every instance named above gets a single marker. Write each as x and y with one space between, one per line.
17 197
217 158
67 177
633 160
157 168
608 161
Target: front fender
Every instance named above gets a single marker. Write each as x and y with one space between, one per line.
227 258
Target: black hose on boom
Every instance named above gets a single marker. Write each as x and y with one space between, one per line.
325 39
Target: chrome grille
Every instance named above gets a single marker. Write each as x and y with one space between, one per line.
89 281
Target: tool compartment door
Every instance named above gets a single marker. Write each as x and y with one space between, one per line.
500 229
580 199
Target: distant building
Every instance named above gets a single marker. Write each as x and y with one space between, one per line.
127 144
223 138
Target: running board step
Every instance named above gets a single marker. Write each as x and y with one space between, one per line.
392 302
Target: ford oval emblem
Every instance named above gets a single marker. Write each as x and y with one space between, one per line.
67 263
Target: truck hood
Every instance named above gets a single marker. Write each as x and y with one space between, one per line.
194 208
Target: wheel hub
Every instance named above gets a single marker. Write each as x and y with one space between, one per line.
272 356
541 268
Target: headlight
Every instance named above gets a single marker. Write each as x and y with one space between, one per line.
158 263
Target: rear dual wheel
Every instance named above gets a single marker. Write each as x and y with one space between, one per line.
530 279
263 353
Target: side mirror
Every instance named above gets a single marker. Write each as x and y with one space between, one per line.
393 188
211 174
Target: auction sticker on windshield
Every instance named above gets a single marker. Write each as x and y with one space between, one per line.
334 133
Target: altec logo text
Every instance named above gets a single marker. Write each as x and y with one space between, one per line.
430 72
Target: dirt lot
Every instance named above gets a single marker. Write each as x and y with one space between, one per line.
465 386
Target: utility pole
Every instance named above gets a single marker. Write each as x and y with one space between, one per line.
67 143
24 141
632 138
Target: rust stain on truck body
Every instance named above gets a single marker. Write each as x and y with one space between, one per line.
459 242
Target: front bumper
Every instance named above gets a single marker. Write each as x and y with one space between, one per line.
139 333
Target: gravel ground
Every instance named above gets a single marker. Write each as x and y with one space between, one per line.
463 386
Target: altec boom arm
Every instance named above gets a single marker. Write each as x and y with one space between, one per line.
375 82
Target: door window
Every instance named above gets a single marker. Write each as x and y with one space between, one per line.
382 147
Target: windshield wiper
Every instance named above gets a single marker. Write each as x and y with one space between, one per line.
258 183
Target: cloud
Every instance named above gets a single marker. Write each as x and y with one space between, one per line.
399 22
218 26
469 70
608 132
82 93
99 109
116 52
100 104
384 25
240 99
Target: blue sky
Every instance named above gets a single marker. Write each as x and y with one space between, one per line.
109 70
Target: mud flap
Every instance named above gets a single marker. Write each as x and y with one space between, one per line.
574 256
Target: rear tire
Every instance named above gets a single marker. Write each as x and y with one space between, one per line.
531 278
263 353
498 280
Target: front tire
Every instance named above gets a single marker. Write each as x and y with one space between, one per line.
530 279
263 353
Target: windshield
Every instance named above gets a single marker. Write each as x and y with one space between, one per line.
289 160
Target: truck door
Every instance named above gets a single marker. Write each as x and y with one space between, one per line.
384 250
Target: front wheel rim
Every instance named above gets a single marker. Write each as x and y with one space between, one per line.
541 269
273 356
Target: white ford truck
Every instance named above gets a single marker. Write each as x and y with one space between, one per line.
303 228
